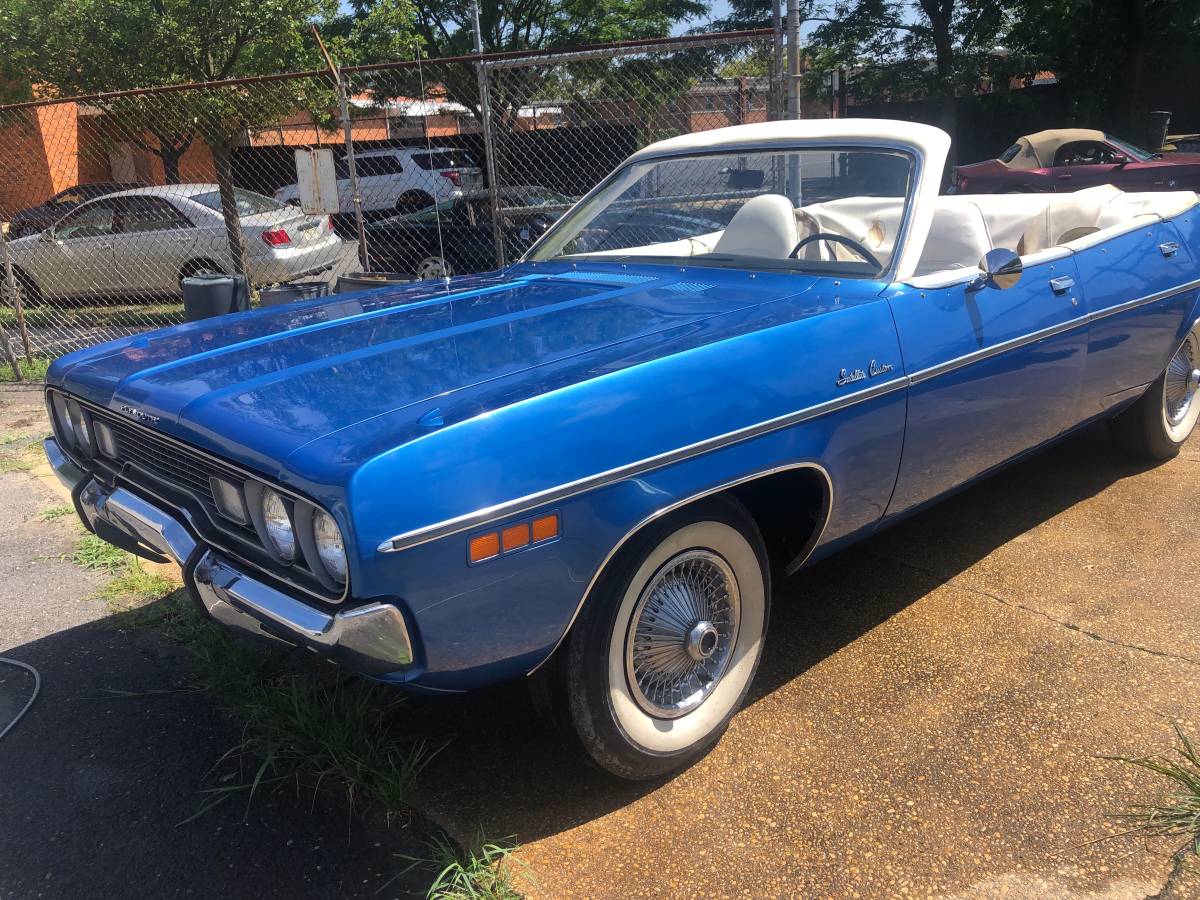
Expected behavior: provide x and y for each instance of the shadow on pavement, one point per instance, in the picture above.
(507, 774)
(97, 778)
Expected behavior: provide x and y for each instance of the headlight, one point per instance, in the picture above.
(81, 427)
(278, 525)
(62, 421)
(328, 538)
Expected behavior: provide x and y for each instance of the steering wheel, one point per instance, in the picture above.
(854, 245)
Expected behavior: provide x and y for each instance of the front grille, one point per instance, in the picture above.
(180, 476)
(166, 460)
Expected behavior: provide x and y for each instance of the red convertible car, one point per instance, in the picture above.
(1070, 159)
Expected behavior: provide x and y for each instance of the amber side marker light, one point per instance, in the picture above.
(486, 546)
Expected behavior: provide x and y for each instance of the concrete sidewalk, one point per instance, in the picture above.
(931, 717)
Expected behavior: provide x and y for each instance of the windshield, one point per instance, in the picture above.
(836, 210)
(1132, 149)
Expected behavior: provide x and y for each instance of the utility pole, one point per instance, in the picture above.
(793, 59)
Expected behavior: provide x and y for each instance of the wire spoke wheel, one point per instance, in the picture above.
(1181, 383)
(433, 267)
(682, 634)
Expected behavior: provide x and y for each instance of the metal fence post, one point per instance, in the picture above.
(364, 258)
(793, 59)
(15, 293)
(776, 110)
(489, 143)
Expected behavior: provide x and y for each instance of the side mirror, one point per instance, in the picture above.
(999, 268)
(47, 235)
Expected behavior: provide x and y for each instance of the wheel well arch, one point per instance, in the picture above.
(802, 492)
(197, 264)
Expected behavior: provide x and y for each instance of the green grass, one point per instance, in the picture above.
(95, 554)
(54, 513)
(316, 727)
(59, 313)
(482, 871)
(1179, 814)
(134, 588)
(33, 369)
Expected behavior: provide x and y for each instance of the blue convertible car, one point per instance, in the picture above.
(742, 351)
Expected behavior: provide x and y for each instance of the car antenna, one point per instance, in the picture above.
(437, 213)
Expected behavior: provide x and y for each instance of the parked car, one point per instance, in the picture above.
(36, 218)
(585, 468)
(145, 241)
(1070, 159)
(403, 179)
(456, 236)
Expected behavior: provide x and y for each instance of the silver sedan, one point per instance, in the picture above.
(145, 241)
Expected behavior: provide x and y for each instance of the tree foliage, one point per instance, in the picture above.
(1117, 59)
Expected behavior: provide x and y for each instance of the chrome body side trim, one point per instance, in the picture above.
(951, 365)
(631, 470)
(813, 541)
(520, 505)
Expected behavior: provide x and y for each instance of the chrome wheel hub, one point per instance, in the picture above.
(682, 633)
(1181, 383)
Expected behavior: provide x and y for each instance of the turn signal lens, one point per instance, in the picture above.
(106, 440)
(484, 546)
(228, 499)
(514, 536)
(545, 528)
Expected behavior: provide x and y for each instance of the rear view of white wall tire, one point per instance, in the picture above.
(667, 643)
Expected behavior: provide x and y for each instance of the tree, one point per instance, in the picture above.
(906, 49)
(1115, 58)
(73, 47)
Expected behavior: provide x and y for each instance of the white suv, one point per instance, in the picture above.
(403, 179)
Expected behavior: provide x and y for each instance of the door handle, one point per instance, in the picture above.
(1169, 248)
(1063, 177)
(1062, 284)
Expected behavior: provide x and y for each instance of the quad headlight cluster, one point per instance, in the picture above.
(290, 528)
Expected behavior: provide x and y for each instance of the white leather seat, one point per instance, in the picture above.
(764, 226)
(958, 237)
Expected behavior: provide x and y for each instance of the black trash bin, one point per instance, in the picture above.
(290, 293)
(208, 294)
(364, 281)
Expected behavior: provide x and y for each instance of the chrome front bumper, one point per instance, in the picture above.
(372, 639)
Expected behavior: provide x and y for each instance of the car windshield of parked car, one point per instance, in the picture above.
(835, 210)
(1132, 150)
(248, 202)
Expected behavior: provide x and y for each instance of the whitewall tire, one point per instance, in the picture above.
(667, 643)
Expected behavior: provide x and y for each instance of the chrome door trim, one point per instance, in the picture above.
(952, 365)
(671, 507)
(631, 470)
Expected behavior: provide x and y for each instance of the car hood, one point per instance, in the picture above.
(257, 386)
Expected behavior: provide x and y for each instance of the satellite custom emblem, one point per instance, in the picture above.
(849, 376)
(143, 417)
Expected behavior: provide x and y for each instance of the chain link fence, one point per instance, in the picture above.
(110, 200)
